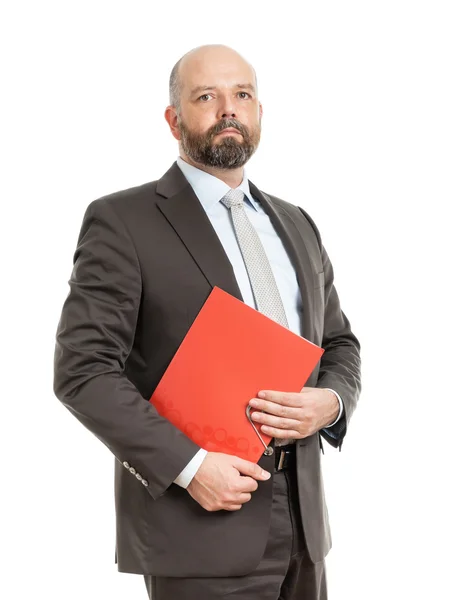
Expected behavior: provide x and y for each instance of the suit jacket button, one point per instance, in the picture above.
(138, 476)
(144, 482)
(132, 470)
(126, 465)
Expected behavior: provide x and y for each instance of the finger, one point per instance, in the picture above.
(281, 433)
(246, 484)
(233, 507)
(286, 398)
(277, 422)
(274, 408)
(243, 498)
(251, 469)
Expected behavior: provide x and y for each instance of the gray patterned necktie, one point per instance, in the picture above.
(265, 291)
(262, 280)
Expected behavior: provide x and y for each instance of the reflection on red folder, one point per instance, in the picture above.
(229, 354)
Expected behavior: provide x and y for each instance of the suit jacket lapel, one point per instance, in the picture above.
(297, 252)
(183, 210)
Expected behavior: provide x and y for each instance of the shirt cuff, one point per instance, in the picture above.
(189, 471)
(341, 407)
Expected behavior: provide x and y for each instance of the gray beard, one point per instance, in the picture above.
(228, 154)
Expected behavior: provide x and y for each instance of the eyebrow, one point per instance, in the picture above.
(210, 88)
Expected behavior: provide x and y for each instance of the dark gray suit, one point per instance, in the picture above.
(146, 261)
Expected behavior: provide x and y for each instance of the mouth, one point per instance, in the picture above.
(229, 130)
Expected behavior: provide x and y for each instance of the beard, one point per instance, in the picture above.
(228, 153)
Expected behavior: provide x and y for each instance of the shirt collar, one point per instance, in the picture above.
(209, 189)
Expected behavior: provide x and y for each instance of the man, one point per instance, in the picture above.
(203, 525)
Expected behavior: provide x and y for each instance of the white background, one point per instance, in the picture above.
(356, 130)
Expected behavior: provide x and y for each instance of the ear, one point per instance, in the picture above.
(170, 114)
(260, 110)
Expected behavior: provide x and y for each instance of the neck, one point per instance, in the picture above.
(232, 177)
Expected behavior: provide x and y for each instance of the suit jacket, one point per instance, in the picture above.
(146, 260)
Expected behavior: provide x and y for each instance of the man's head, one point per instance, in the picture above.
(214, 110)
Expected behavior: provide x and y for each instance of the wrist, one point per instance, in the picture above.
(333, 407)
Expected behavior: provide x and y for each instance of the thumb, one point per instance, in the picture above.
(245, 467)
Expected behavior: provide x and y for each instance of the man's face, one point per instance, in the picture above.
(220, 120)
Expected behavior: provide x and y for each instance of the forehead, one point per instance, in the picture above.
(214, 69)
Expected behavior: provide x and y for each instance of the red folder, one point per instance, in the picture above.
(230, 353)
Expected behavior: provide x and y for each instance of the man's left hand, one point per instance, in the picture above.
(294, 414)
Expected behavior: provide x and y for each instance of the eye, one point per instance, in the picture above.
(204, 97)
(242, 94)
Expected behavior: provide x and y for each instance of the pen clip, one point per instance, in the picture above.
(268, 450)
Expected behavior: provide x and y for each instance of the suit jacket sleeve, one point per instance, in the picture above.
(340, 366)
(94, 338)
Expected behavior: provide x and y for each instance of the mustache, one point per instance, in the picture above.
(225, 124)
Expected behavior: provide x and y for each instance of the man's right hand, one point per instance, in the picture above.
(225, 482)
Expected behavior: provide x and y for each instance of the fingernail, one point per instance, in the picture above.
(266, 475)
(262, 394)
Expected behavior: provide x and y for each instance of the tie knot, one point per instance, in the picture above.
(233, 198)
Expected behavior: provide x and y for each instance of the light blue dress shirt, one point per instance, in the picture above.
(210, 190)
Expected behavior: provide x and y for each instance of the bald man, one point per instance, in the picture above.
(205, 525)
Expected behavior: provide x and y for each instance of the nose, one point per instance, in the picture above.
(227, 108)
(228, 115)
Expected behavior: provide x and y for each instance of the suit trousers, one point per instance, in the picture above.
(284, 573)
